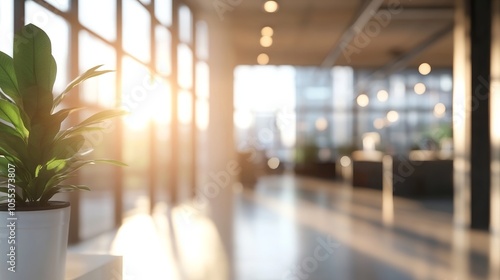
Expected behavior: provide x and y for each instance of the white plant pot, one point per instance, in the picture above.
(41, 238)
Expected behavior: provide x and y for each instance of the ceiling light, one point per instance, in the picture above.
(424, 68)
(363, 100)
(382, 95)
(392, 116)
(266, 41)
(263, 59)
(271, 6)
(419, 88)
(267, 31)
(273, 162)
(439, 110)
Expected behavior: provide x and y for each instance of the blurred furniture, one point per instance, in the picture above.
(421, 174)
(367, 169)
(323, 170)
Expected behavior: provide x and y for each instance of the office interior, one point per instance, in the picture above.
(285, 139)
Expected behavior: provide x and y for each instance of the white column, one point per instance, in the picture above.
(461, 116)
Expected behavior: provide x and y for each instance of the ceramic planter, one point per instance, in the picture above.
(33, 242)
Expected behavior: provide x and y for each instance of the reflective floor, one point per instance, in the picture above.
(290, 227)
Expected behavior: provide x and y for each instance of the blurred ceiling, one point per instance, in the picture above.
(381, 34)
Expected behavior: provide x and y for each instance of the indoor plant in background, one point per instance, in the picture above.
(37, 155)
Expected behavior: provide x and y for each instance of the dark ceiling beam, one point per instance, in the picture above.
(430, 13)
(358, 24)
(402, 61)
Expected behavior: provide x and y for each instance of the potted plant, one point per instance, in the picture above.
(37, 156)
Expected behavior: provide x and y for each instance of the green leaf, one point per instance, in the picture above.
(74, 187)
(75, 131)
(35, 70)
(8, 130)
(110, 161)
(33, 61)
(56, 165)
(92, 72)
(4, 190)
(85, 126)
(61, 115)
(37, 170)
(13, 145)
(101, 116)
(8, 81)
(10, 113)
(68, 147)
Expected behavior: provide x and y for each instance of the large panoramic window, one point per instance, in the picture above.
(335, 109)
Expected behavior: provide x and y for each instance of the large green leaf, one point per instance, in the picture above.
(74, 131)
(110, 161)
(102, 116)
(14, 146)
(37, 103)
(8, 81)
(10, 113)
(92, 72)
(90, 123)
(68, 147)
(61, 115)
(35, 69)
(8, 129)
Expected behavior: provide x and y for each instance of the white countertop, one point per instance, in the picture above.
(93, 267)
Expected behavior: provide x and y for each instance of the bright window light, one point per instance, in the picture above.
(136, 30)
(6, 26)
(185, 108)
(104, 11)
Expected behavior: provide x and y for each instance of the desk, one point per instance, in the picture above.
(93, 267)
(367, 169)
